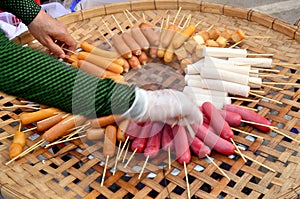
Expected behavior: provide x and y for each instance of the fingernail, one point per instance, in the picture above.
(62, 56)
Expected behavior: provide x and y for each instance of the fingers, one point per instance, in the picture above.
(54, 48)
(70, 42)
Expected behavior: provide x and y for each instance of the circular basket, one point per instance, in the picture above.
(70, 173)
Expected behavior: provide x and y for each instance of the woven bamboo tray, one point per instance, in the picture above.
(69, 172)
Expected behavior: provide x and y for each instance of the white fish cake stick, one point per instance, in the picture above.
(196, 90)
(224, 52)
(255, 82)
(194, 68)
(230, 87)
(212, 62)
(258, 62)
(212, 73)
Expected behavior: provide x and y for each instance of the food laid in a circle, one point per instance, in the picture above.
(212, 70)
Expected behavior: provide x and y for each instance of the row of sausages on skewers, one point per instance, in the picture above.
(55, 125)
(133, 45)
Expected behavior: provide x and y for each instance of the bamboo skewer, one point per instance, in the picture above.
(124, 145)
(258, 124)
(117, 158)
(221, 170)
(244, 99)
(267, 86)
(237, 43)
(176, 16)
(12, 135)
(125, 154)
(65, 140)
(130, 158)
(260, 55)
(19, 106)
(238, 149)
(181, 20)
(187, 181)
(142, 170)
(169, 157)
(270, 99)
(253, 160)
(281, 133)
(249, 108)
(244, 132)
(104, 171)
(282, 83)
(258, 91)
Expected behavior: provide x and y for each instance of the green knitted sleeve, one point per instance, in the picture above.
(26, 10)
(38, 77)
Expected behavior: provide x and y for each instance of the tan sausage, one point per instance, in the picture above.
(19, 138)
(140, 37)
(105, 120)
(121, 134)
(14, 150)
(61, 128)
(102, 62)
(131, 43)
(167, 37)
(134, 62)
(94, 69)
(143, 58)
(151, 35)
(109, 141)
(27, 118)
(97, 51)
(94, 134)
(121, 46)
(49, 122)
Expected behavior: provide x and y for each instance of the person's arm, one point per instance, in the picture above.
(26, 10)
(42, 26)
(34, 76)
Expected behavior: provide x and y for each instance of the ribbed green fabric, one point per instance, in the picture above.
(23, 9)
(40, 78)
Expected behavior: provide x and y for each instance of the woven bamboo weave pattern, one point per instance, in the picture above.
(70, 171)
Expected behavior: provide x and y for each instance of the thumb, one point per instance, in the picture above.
(54, 48)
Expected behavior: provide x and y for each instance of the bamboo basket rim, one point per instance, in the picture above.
(249, 15)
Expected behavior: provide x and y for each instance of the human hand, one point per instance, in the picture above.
(47, 30)
(166, 105)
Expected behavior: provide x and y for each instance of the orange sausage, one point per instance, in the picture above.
(169, 54)
(94, 134)
(134, 62)
(101, 62)
(14, 150)
(97, 51)
(105, 120)
(121, 46)
(126, 66)
(49, 122)
(121, 134)
(27, 118)
(109, 144)
(151, 35)
(140, 37)
(19, 138)
(61, 128)
(94, 69)
(131, 43)
(143, 58)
